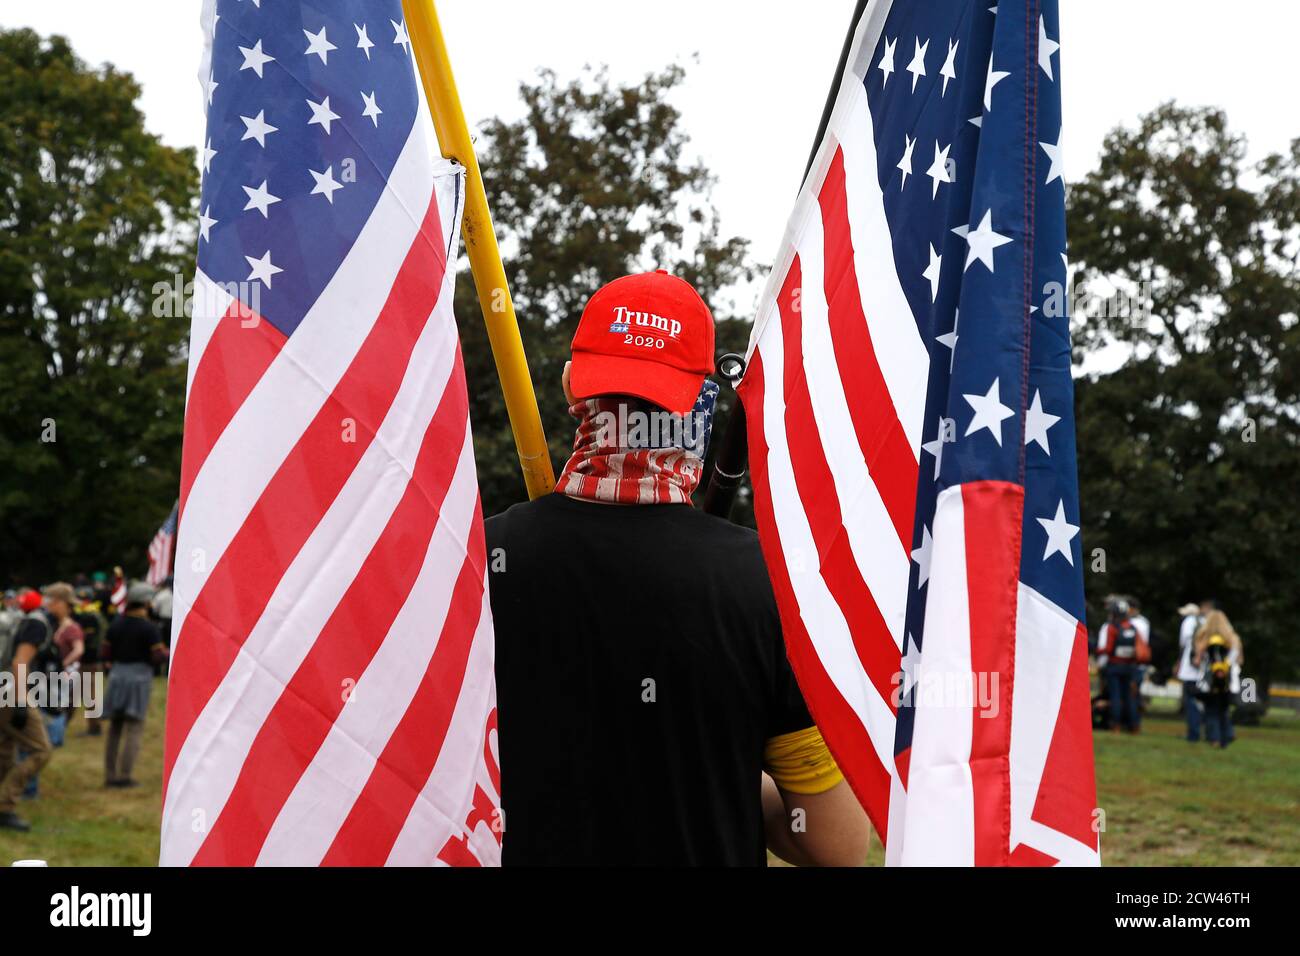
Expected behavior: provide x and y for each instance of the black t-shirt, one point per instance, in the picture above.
(33, 629)
(129, 639)
(92, 627)
(640, 670)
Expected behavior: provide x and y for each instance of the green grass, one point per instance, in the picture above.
(76, 821)
(1167, 802)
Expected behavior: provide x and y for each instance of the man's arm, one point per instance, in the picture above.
(23, 655)
(816, 829)
(74, 655)
(810, 815)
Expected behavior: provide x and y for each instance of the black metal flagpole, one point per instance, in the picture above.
(733, 454)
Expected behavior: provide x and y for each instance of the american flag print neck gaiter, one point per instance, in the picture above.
(628, 451)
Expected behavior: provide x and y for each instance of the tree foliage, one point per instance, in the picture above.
(92, 382)
(1189, 449)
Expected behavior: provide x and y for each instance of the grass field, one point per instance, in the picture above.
(76, 821)
(1172, 803)
(1167, 802)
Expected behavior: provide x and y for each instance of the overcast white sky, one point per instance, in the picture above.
(752, 102)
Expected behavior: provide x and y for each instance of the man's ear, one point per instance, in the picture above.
(564, 383)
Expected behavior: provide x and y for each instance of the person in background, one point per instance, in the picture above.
(10, 618)
(1139, 619)
(60, 658)
(1121, 650)
(135, 645)
(1188, 674)
(1219, 655)
(1143, 626)
(20, 729)
(70, 645)
(162, 612)
(103, 589)
(94, 626)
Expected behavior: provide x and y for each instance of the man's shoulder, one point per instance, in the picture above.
(520, 513)
(725, 528)
(33, 627)
(723, 533)
(675, 518)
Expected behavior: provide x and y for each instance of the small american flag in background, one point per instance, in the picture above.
(331, 698)
(117, 597)
(161, 549)
(911, 438)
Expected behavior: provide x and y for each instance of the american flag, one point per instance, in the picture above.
(331, 698)
(117, 597)
(160, 550)
(911, 436)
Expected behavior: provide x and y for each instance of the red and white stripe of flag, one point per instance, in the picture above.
(117, 597)
(331, 697)
(834, 394)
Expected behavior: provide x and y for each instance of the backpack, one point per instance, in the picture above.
(43, 649)
(1216, 673)
(9, 621)
(1127, 644)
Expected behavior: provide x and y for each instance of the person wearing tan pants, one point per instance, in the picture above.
(20, 727)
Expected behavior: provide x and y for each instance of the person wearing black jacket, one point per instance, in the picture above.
(95, 626)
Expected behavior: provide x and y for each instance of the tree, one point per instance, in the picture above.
(93, 376)
(589, 184)
(1189, 450)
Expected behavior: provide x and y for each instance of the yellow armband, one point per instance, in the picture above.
(801, 763)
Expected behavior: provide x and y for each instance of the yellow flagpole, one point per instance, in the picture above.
(481, 245)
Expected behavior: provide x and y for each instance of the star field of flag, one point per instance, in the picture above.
(309, 107)
(981, 193)
(985, 214)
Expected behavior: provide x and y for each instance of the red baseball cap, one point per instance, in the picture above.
(649, 336)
